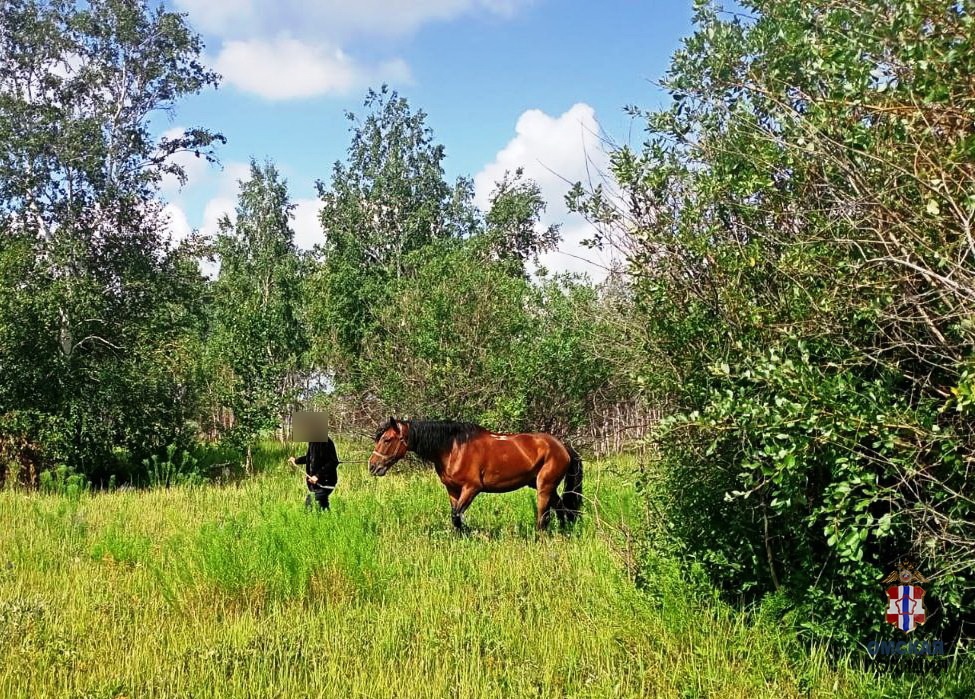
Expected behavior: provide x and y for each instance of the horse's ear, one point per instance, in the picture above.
(395, 425)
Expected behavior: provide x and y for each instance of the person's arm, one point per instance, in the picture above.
(302, 460)
(331, 456)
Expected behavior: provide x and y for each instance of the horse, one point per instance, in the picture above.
(470, 459)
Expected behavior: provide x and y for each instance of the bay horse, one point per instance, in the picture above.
(470, 460)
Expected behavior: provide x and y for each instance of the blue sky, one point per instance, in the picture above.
(504, 83)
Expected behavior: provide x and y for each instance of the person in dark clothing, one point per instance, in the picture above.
(320, 462)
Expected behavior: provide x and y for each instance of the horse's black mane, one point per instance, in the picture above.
(431, 438)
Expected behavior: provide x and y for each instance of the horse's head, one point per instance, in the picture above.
(390, 446)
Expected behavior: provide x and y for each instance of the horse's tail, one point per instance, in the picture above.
(572, 487)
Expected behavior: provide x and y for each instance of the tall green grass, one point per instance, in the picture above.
(238, 591)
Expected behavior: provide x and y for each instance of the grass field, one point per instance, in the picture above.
(237, 591)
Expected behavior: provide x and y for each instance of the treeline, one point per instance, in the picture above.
(420, 304)
(116, 351)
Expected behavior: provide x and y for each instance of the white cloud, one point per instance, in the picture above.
(286, 68)
(217, 17)
(307, 227)
(290, 49)
(223, 203)
(179, 225)
(232, 174)
(224, 187)
(214, 211)
(333, 20)
(224, 200)
(179, 230)
(196, 168)
(556, 152)
(400, 18)
(305, 224)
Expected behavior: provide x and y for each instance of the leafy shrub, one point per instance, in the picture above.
(812, 483)
(31, 442)
(468, 337)
(806, 288)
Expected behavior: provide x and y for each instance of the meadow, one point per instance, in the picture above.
(235, 590)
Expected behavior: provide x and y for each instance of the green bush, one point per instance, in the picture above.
(177, 467)
(798, 228)
(806, 482)
(30, 443)
(469, 337)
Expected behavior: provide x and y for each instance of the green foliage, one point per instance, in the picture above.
(422, 306)
(469, 337)
(177, 467)
(511, 225)
(62, 480)
(257, 342)
(96, 308)
(387, 200)
(782, 447)
(798, 231)
(30, 441)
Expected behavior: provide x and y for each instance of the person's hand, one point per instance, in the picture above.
(291, 460)
(312, 479)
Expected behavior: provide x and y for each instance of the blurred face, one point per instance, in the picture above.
(390, 448)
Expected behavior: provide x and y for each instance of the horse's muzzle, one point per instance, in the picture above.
(379, 469)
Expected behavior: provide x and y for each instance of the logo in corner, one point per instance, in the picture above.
(905, 601)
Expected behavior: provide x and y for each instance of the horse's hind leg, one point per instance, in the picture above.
(546, 498)
(460, 506)
(558, 507)
(547, 484)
